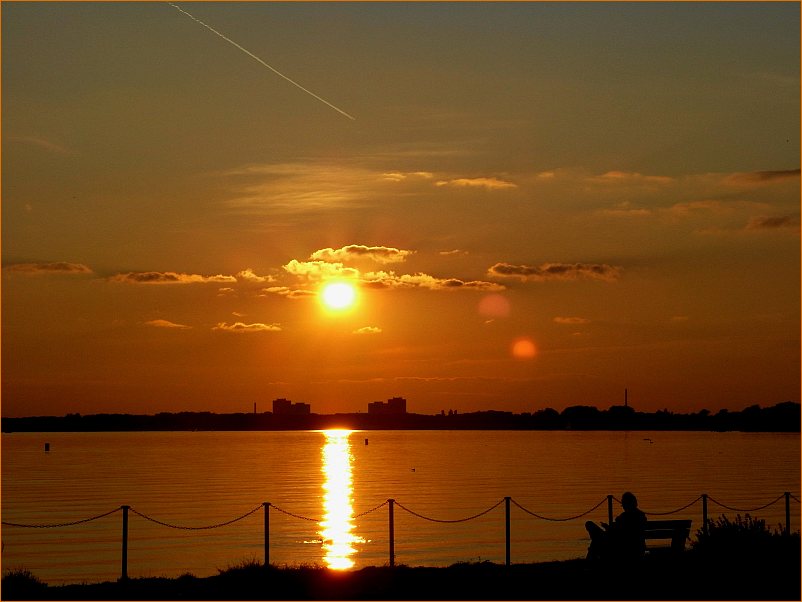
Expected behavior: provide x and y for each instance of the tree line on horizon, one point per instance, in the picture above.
(782, 417)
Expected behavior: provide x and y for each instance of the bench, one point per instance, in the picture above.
(675, 530)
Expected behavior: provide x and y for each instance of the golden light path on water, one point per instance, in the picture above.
(337, 524)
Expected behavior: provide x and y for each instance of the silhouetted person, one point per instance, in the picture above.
(624, 539)
(599, 547)
(629, 528)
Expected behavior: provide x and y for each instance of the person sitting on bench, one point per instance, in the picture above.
(624, 539)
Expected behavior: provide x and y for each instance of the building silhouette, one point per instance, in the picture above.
(285, 406)
(396, 405)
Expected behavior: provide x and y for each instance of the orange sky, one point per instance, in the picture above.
(539, 205)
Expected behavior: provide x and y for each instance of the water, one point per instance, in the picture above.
(195, 479)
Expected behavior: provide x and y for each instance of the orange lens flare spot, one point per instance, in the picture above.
(494, 306)
(524, 349)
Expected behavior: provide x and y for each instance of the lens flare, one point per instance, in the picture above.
(494, 306)
(524, 349)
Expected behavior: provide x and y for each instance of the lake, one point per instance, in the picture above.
(328, 494)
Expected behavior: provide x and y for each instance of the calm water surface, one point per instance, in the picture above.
(322, 487)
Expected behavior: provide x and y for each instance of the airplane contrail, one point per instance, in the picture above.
(253, 56)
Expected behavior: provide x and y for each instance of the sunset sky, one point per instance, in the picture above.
(539, 205)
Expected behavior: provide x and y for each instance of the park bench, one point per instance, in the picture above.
(675, 530)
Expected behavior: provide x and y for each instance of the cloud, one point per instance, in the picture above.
(453, 252)
(714, 206)
(761, 177)
(699, 209)
(571, 320)
(368, 330)
(398, 176)
(556, 271)
(319, 270)
(288, 292)
(487, 183)
(392, 280)
(378, 254)
(42, 143)
(773, 223)
(57, 267)
(628, 177)
(301, 187)
(240, 327)
(626, 209)
(168, 278)
(247, 275)
(292, 189)
(721, 215)
(166, 324)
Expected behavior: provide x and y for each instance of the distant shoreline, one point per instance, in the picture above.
(781, 418)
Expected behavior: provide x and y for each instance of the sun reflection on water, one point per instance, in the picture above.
(337, 524)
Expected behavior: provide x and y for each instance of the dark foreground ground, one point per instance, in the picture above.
(687, 577)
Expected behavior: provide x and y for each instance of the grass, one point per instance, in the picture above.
(686, 577)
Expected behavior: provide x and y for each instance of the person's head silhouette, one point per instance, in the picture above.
(629, 501)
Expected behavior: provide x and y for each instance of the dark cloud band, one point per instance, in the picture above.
(556, 271)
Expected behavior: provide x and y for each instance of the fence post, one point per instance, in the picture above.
(609, 509)
(704, 513)
(787, 513)
(392, 533)
(507, 528)
(125, 543)
(267, 532)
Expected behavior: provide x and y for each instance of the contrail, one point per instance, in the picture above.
(253, 56)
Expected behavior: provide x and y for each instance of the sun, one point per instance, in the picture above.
(338, 295)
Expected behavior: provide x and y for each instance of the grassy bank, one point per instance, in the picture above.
(691, 576)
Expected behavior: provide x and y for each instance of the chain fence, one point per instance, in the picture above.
(391, 503)
(685, 507)
(558, 520)
(361, 514)
(405, 508)
(458, 520)
(57, 525)
(298, 516)
(204, 528)
(725, 506)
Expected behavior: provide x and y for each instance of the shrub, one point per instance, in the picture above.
(21, 584)
(248, 565)
(744, 537)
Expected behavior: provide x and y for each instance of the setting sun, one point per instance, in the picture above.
(338, 295)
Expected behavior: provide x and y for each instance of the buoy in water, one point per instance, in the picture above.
(366, 441)
(47, 447)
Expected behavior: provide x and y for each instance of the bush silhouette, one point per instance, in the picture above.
(21, 584)
(745, 538)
